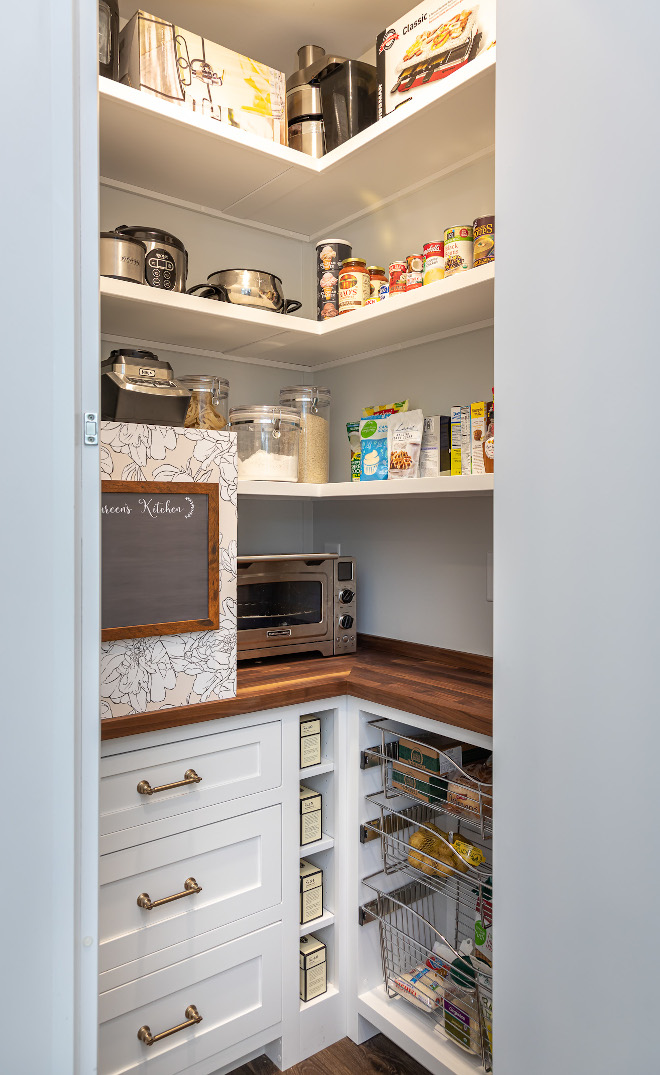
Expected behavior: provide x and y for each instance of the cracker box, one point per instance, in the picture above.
(311, 891)
(466, 455)
(455, 450)
(313, 968)
(164, 60)
(477, 437)
(310, 741)
(310, 815)
(420, 763)
(434, 456)
(430, 43)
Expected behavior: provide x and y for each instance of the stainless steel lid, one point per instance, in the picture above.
(121, 238)
(151, 235)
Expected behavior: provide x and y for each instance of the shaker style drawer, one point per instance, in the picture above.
(236, 863)
(178, 777)
(235, 988)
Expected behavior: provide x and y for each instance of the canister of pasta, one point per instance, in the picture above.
(458, 249)
(378, 287)
(415, 271)
(354, 284)
(484, 240)
(434, 262)
(398, 277)
(330, 254)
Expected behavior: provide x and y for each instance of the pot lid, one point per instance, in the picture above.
(123, 238)
(152, 235)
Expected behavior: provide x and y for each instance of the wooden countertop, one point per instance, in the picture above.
(442, 684)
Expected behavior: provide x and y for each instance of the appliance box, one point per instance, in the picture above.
(418, 51)
(165, 60)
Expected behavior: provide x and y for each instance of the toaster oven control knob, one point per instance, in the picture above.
(346, 596)
(345, 622)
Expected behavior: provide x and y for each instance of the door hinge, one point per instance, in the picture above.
(91, 427)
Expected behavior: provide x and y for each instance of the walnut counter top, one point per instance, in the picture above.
(442, 684)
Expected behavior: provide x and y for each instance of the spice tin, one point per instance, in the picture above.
(398, 277)
(484, 240)
(458, 249)
(434, 262)
(330, 253)
(354, 284)
(378, 286)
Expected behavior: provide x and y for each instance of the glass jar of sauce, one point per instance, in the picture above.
(378, 285)
(354, 285)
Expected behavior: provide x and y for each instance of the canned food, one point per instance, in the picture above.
(354, 285)
(458, 249)
(413, 280)
(378, 286)
(398, 276)
(330, 253)
(434, 262)
(483, 230)
(415, 263)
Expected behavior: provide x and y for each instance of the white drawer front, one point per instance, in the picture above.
(231, 764)
(235, 988)
(236, 862)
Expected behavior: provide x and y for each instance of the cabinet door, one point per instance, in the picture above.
(235, 988)
(230, 764)
(237, 864)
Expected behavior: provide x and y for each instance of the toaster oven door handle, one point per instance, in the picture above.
(281, 632)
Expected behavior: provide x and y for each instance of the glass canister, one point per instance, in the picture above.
(208, 401)
(267, 441)
(313, 404)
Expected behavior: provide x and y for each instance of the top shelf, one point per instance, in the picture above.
(214, 165)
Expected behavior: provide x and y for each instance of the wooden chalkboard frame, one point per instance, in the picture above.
(176, 627)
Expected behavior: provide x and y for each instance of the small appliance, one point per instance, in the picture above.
(136, 386)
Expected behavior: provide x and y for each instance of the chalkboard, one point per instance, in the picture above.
(159, 558)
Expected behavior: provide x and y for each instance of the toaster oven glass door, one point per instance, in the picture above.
(285, 608)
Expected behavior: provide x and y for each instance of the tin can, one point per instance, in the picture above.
(458, 249)
(354, 284)
(398, 276)
(483, 231)
(330, 253)
(378, 286)
(415, 273)
(434, 262)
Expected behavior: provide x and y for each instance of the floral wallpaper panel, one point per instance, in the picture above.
(139, 675)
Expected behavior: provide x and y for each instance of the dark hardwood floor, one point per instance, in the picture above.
(378, 1056)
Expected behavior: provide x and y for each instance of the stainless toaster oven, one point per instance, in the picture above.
(295, 604)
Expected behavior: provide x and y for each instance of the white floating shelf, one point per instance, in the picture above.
(331, 991)
(412, 1030)
(171, 319)
(166, 148)
(324, 844)
(463, 485)
(326, 919)
(317, 770)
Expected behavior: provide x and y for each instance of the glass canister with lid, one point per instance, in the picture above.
(267, 441)
(208, 401)
(313, 404)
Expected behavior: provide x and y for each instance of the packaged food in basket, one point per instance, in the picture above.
(404, 443)
(472, 794)
(461, 1018)
(432, 853)
(419, 763)
(422, 986)
(483, 927)
(468, 851)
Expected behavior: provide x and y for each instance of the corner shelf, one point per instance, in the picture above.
(254, 180)
(326, 919)
(170, 319)
(445, 485)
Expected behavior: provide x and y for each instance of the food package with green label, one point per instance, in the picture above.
(353, 431)
(374, 462)
(483, 926)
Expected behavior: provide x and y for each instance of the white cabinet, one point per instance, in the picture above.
(234, 987)
(237, 864)
(230, 764)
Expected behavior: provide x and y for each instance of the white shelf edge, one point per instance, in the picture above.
(412, 1031)
(317, 770)
(324, 844)
(445, 485)
(331, 991)
(326, 919)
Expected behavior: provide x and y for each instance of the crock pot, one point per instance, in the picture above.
(166, 261)
(121, 257)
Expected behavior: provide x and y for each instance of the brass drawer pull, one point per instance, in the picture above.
(192, 1017)
(189, 777)
(190, 888)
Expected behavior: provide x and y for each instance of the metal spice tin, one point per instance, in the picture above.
(458, 249)
(484, 240)
(330, 253)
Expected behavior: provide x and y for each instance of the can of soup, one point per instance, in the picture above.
(458, 249)
(415, 274)
(398, 276)
(483, 230)
(434, 262)
(330, 253)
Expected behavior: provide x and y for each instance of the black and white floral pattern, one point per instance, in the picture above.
(143, 674)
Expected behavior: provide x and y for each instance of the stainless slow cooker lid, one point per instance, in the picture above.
(150, 235)
(122, 238)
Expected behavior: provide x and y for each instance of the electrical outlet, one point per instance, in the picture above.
(489, 576)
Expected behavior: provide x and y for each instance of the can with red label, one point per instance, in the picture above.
(415, 271)
(398, 276)
(434, 262)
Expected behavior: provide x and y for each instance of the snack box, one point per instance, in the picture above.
(432, 41)
(310, 741)
(313, 968)
(434, 458)
(477, 437)
(456, 441)
(311, 891)
(310, 815)
(165, 60)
